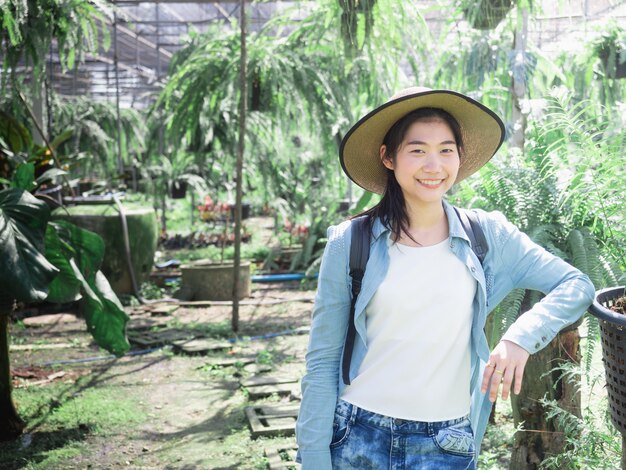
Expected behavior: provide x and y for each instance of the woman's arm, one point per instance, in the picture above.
(568, 293)
(328, 330)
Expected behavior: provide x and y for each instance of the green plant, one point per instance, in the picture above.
(29, 27)
(17, 147)
(485, 14)
(97, 145)
(304, 92)
(169, 172)
(68, 271)
(541, 192)
(265, 356)
(610, 48)
(592, 440)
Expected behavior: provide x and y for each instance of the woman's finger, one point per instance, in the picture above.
(496, 379)
(507, 380)
(519, 375)
(487, 376)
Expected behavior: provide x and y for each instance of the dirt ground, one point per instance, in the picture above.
(191, 410)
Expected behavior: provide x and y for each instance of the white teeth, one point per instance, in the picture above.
(430, 182)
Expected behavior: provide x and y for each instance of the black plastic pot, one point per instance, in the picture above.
(618, 69)
(245, 211)
(613, 336)
(178, 190)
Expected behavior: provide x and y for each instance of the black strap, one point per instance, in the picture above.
(474, 231)
(359, 253)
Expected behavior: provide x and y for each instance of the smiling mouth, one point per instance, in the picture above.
(432, 183)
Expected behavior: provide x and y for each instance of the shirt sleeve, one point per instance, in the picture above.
(568, 292)
(326, 339)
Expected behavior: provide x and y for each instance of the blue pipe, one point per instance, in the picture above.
(281, 277)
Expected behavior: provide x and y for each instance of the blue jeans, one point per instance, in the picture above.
(365, 440)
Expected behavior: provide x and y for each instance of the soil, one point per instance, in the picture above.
(193, 411)
(620, 306)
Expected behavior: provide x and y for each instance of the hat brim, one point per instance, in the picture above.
(482, 132)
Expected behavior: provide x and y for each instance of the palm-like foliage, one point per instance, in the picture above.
(302, 88)
(29, 27)
(93, 148)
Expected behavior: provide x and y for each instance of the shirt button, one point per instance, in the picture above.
(537, 346)
(473, 269)
(543, 338)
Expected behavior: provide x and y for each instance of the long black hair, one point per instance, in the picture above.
(391, 209)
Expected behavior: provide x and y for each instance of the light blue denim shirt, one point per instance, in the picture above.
(513, 261)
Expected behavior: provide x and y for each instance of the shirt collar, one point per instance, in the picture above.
(454, 224)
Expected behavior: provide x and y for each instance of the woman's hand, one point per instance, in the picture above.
(506, 364)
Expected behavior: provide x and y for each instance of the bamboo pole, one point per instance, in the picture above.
(240, 151)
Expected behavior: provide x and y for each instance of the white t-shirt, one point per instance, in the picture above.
(417, 364)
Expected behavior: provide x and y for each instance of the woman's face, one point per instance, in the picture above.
(426, 163)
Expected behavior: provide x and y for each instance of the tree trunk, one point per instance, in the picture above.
(239, 171)
(518, 84)
(11, 424)
(540, 438)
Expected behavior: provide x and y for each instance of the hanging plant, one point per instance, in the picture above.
(357, 19)
(486, 14)
(30, 26)
(610, 48)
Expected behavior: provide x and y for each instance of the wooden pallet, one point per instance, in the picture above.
(151, 339)
(201, 346)
(260, 386)
(272, 420)
(282, 457)
(230, 361)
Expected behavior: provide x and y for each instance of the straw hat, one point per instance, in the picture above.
(482, 132)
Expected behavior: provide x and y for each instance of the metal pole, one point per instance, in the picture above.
(241, 147)
(161, 143)
(120, 161)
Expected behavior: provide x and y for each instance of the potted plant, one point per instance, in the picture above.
(610, 48)
(485, 14)
(208, 279)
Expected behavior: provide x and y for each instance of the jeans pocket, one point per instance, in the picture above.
(341, 429)
(457, 439)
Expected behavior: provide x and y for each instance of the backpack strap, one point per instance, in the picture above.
(474, 231)
(359, 253)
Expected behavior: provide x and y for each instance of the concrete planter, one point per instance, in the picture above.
(204, 280)
(143, 232)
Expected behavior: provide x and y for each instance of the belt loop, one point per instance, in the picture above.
(431, 430)
(353, 413)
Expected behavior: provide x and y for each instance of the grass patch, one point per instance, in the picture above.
(61, 417)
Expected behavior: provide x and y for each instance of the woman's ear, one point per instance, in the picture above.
(384, 158)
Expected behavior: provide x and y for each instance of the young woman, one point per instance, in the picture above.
(422, 379)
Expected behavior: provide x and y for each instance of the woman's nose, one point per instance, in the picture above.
(432, 163)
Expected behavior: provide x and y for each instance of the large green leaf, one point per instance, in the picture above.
(105, 316)
(25, 273)
(83, 252)
(66, 286)
(24, 177)
(88, 247)
(15, 135)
